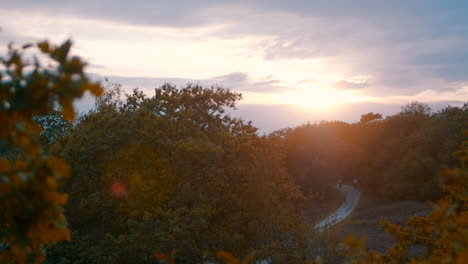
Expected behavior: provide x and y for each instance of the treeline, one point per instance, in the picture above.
(173, 173)
(394, 158)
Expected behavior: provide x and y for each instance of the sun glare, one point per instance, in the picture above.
(319, 99)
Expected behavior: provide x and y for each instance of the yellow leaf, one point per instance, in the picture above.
(5, 166)
(68, 112)
(44, 46)
(462, 258)
(59, 166)
(95, 88)
(227, 257)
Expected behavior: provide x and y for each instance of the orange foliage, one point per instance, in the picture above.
(31, 212)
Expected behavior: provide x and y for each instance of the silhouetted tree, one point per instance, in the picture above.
(370, 117)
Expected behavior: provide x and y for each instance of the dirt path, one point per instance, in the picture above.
(351, 200)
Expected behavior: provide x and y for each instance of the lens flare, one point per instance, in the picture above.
(118, 189)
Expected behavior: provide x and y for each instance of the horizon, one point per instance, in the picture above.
(272, 117)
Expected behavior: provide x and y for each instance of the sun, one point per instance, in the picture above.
(318, 98)
(315, 100)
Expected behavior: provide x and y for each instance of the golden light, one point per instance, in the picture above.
(319, 98)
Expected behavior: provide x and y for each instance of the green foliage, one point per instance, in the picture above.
(191, 179)
(312, 153)
(443, 234)
(415, 109)
(31, 212)
(54, 127)
(395, 158)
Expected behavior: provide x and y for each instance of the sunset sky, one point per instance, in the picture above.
(316, 55)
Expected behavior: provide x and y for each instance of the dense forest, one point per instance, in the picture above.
(398, 157)
(194, 180)
(141, 178)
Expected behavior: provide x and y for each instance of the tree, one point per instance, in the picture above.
(176, 173)
(396, 158)
(370, 117)
(30, 205)
(415, 108)
(443, 233)
(54, 127)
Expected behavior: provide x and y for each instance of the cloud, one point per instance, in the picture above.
(451, 63)
(355, 82)
(241, 81)
(408, 52)
(175, 13)
(346, 85)
(8, 36)
(235, 77)
(236, 81)
(409, 47)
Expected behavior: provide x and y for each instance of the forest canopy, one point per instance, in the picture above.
(395, 158)
(176, 173)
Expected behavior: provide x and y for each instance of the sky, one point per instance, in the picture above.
(293, 61)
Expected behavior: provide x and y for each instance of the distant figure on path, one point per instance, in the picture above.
(340, 182)
(355, 182)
